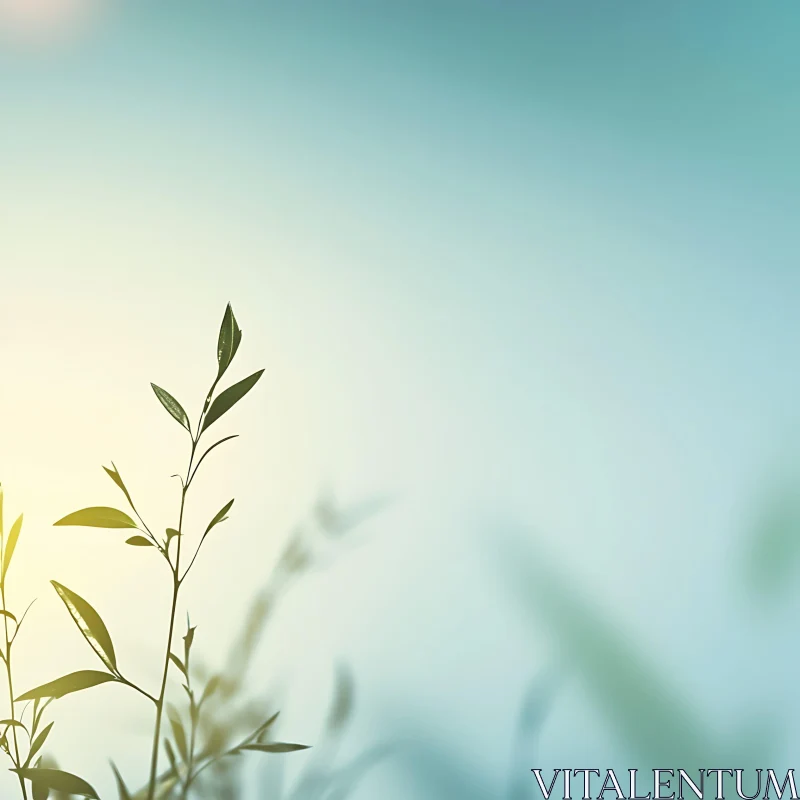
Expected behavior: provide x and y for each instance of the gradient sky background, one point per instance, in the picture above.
(512, 263)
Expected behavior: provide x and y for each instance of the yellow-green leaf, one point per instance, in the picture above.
(90, 625)
(98, 517)
(13, 536)
(74, 682)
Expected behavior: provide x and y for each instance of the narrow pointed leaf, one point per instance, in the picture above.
(228, 398)
(122, 789)
(58, 781)
(113, 473)
(180, 737)
(13, 537)
(98, 517)
(90, 625)
(172, 405)
(220, 517)
(275, 747)
(177, 662)
(74, 682)
(268, 724)
(38, 743)
(139, 541)
(8, 614)
(173, 763)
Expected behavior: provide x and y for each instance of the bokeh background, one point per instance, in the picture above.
(527, 270)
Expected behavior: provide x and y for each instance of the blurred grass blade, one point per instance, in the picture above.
(275, 747)
(98, 517)
(122, 789)
(74, 682)
(58, 781)
(90, 625)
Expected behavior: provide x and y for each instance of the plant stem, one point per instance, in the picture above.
(17, 763)
(176, 585)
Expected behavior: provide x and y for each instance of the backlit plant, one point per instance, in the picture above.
(185, 766)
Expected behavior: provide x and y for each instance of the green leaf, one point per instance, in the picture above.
(40, 792)
(228, 342)
(13, 536)
(113, 473)
(177, 662)
(122, 789)
(172, 405)
(38, 743)
(13, 723)
(210, 689)
(74, 682)
(268, 724)
(221, 516)
(8, 614)
(139, 541)
(228, 398)
(58, 781)
(90, 625)
(179, 734)
(275, 747)
(98, 517)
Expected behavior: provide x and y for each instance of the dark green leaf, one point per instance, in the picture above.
(228, 398)
(228, 342)
(221, 516)
(139, 541)
(172, 405)
(38, 743)
(113, 473)
(90, 625)
(275, 747)
(74, 682)
(13, 536)
(98, 517)
(58, 781)
(122, 789)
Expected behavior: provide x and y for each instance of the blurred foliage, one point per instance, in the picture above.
(232, 710)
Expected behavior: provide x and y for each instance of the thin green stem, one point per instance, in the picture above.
(175, 590)
(177, 581)
(16, 758)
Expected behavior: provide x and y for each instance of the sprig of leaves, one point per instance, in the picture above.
(185, 765)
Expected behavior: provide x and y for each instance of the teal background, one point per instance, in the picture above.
(529, 269)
